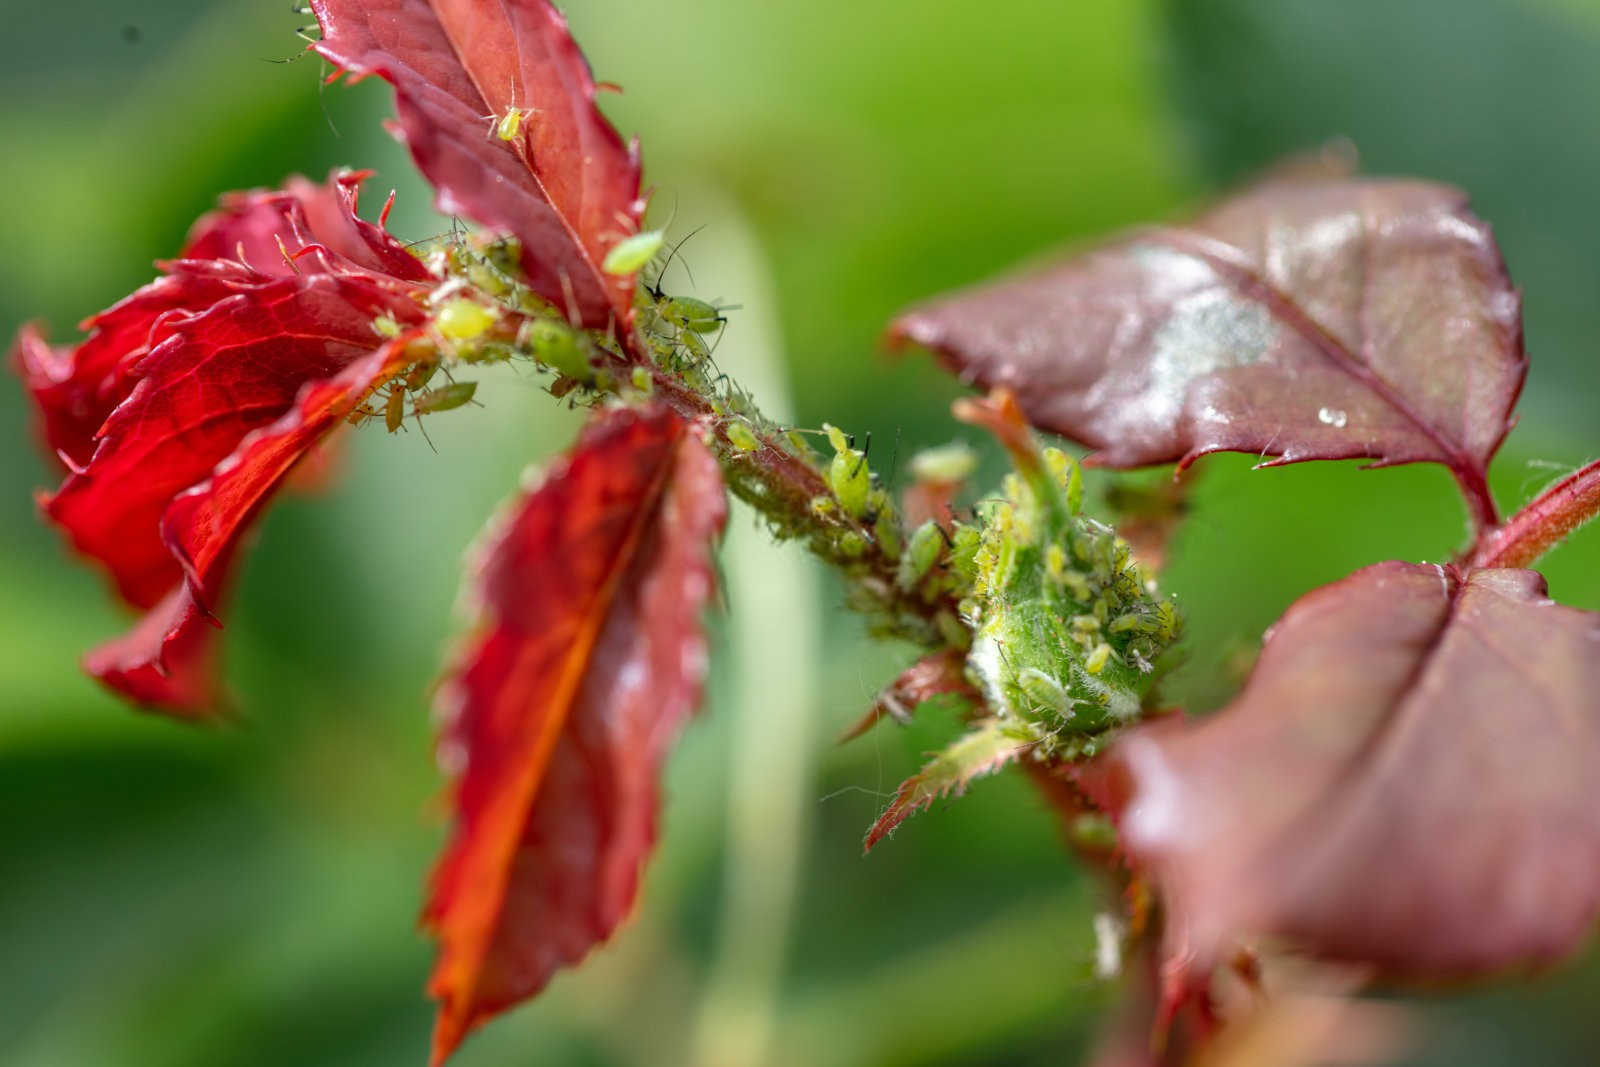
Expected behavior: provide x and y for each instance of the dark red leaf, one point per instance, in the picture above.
(1303, 319)
(589, 657)
(1407, 781)
(566, 185)
(192, 400)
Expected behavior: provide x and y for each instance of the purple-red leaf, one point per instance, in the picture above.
(589, 657)
(1408, 781)
(192, 400)
(565, 185)
(1302, 319)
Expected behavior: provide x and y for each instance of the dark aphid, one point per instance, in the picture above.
(394, 408)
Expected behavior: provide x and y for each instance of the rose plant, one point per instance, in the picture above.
(1403, 784)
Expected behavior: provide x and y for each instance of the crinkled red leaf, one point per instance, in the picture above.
(192, 400)
(566, 185)
(305, 227)
(589, 657)
(1303, 319)
(208, 380)
(1408, 780)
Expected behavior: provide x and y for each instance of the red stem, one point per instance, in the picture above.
(1549, 518)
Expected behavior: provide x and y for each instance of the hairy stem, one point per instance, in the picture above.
(1544, 523)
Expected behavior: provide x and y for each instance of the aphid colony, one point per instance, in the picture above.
(482, 314)
(1060, 624)
(1066, 624)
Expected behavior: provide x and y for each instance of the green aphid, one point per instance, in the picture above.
(1045, 690)
(964, 544)
(849, 477)
(852, 545)
(443, 398)
(629, 255)
(421, 374)
(559, 347)
(642, 381)
(509, 125)
(886, 531)
(386, 326)
(740, 436)
(921, 553)
(954, 462)
(461, 319)
(695, 345)
(1097, 660)
(688, 313)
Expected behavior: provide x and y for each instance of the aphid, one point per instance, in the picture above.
(851, 544)
(1044, 690)
(740, 436)
(394, 408)
(629, 255)
(688, 313)
(1097, 660)
(642, 381)
(559, 347)
(507, 126)
(851, 480)
(463, 320)
(920, 555)
(443, 398)
(948, 463)
(421, 374)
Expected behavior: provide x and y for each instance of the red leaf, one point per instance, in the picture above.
(939, 674)
(277, 232)
(193, 399)
(1303, 319)
(1407, 781)
(588, 659)
(566, 186)
(990, 745)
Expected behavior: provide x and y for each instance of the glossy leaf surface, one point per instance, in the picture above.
(565, 184)
(589, 657)
(1303, 319)
(1406, 781)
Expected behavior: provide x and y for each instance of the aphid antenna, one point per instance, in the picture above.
(894, 456)
(865, 452)
(655, 290)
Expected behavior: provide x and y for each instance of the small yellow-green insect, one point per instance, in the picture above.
(740, 436)
(688, 313)
(629, 255)
(463, 320)
(507, 126)
(443, 398)
(921, 554)
(848, 474)
(559, 347)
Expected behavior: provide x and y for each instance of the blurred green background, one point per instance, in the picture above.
(246, 895)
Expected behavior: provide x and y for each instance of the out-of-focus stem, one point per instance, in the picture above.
(770, 753)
